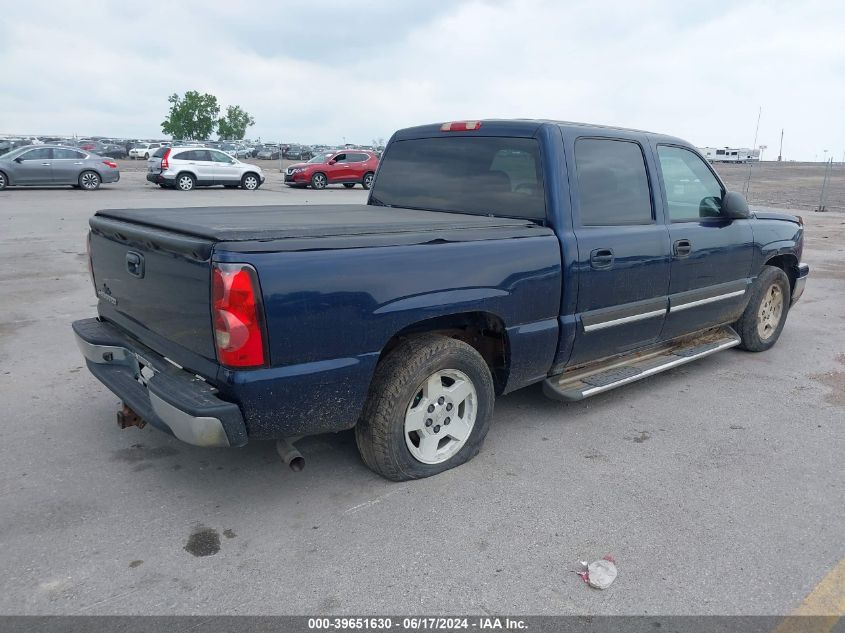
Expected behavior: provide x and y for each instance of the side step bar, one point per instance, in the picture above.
(583, 382)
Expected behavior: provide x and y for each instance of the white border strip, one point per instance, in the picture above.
(627, 319)
(701, 302)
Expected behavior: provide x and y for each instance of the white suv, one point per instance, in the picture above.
(187, 167)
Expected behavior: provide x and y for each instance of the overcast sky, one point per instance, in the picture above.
(322, 72)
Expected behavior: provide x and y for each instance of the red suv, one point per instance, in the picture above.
(347, 167)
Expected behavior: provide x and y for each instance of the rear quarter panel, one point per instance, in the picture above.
(331, 312)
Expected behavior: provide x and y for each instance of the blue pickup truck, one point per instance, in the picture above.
(491, 255)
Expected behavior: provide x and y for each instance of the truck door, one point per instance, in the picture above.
(623, 248)
(711, 254)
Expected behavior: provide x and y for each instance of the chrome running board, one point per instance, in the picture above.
(583, 382)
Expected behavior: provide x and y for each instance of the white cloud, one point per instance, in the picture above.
(319, 73)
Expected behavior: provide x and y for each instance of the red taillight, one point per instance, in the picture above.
(237, 316)
(165, 163)
(460, 126)
(110, 163)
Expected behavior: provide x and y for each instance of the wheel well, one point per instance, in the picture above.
(249, 173)
(787, 263)
(6, 176)
(482, 330)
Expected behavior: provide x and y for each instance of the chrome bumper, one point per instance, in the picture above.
(167, 397)
(803, 271)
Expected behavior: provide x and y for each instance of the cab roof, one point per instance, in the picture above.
(525, 128)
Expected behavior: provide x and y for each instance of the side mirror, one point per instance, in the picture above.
(19, 159)
(734, 206)
(332, 162)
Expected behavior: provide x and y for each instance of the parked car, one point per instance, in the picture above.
(490, 256)
(56, 165)
(144, 150)
(338, 167)
(184, 168)
(268, 152)
(297, 152)
(112, 150)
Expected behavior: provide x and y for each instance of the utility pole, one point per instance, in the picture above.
(823, 196)
(780, 151)
(756, 130)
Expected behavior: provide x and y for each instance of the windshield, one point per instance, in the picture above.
(497, 176)
(321, 158)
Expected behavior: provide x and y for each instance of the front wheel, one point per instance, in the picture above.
(319, 181)
(146, 157)
(89, 180)
(250, 182)
(760, 325)
(429, 409)
(367, 183)
(3, 181)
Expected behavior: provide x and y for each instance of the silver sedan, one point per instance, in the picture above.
(55, 165)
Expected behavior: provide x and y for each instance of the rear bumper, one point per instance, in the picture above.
(172, 400)
(803, 271)
(159, 179)
(110, 177)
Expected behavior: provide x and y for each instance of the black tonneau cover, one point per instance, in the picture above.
(261, 223)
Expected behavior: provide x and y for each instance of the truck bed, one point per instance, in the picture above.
(279, 222)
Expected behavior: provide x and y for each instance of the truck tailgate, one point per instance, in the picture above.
(153, 281)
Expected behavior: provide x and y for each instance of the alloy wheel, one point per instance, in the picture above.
(440, 416)
(771, 309)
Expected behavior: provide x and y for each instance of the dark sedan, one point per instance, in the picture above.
(55, 165)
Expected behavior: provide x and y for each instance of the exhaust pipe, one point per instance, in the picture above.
(290, 456)
(126, 417)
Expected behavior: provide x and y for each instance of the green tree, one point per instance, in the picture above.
(233, 126)
(192, 116)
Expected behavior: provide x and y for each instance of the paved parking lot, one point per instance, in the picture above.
(718, 486)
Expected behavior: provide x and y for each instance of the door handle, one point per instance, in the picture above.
(682, 248)
(601, 258)
(46, 164)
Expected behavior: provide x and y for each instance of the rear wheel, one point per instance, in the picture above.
(89, 180)
(319, 180)
(250, 182)
(760, 325)
(185, 182)
(429, 409)
(349, 185)
(367, 183)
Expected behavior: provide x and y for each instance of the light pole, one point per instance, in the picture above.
(762, 149)
(780, 151)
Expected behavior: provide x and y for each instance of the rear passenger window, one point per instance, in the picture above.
(612, 182)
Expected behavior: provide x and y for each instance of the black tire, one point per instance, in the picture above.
(367, 181)
(3, 181)
(349, 185)
(319, 180)
(250, 181)
(185, 181)
(380, 433)
(89, 180)
(760, 325)
(146, 157)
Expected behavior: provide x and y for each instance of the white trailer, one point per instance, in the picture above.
(730, 154)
